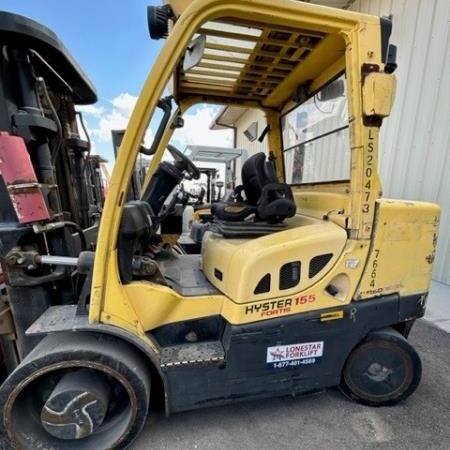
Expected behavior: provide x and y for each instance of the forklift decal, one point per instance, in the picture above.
(270, 308)
(286, 356)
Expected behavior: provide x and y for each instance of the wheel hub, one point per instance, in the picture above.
(77, 406)
(378, 372)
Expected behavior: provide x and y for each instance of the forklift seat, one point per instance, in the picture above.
(267, 200)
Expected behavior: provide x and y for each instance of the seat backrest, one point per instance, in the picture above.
(267, 200)
(256, 173)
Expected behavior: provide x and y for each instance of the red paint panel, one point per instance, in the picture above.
(20, 179)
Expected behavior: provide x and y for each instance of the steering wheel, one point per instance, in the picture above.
(183, 162)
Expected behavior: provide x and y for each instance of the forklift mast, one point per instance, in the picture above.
(49, 189)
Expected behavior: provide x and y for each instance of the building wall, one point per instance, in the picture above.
(415, 139)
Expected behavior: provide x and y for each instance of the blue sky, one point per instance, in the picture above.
(110, 41)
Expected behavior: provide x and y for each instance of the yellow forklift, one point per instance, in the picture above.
(307, 278)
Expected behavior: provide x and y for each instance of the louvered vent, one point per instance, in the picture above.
(290, 275)
(263, 285)
(318, 263)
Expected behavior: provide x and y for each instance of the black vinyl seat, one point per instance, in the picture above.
(266, 200)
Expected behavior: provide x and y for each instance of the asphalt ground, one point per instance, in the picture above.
(325, 420)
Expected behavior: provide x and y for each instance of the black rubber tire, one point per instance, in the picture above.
(382, 370)
(25, 391)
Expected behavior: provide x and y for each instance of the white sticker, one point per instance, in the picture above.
(352, 263)
(293, 355)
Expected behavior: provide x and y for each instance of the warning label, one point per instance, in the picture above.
(294, 354)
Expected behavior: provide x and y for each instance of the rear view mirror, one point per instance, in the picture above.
(332, 91)
(194, 52)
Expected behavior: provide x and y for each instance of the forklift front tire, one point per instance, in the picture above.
(73, 391)
(382, 370)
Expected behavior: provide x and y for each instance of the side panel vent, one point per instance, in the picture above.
(318, 263)
(290, 275)
(263, 285)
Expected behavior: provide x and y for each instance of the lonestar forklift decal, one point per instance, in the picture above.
(285, 356)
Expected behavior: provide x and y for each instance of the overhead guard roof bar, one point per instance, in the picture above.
(247, 61)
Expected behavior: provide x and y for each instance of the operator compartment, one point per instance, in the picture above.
(274, 265)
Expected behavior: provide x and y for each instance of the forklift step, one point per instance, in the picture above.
(192, 354)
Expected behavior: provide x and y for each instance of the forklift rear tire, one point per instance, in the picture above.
(383, 370)
(76, 391)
